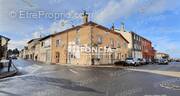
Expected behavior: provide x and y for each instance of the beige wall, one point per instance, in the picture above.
(44, 52)
(62, 49)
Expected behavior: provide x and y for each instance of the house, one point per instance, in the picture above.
(88, 44)
(3, 46)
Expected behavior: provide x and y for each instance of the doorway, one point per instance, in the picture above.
(57, 57)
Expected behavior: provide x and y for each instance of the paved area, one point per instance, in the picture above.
(36, 79)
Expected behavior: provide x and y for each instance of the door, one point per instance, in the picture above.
(57, 57)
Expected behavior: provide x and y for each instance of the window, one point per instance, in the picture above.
(77, 40)
(134, 37)
(112, 42)
(125, 45)
(106, 33)
(42, 44)
(58, 43)
(78, 30)
(118, 44)
(100, 39)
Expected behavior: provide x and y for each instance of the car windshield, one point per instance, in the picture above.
(129, 58)
(139, 59)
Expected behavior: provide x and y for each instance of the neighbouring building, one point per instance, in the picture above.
(148, 52)
(3, 46)
(31, 50)
(139, 47)
(160, 55)
(43, 49)
(88, 35)
(134, 40)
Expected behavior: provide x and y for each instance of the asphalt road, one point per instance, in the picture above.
(37, 79)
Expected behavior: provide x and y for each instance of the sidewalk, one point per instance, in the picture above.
(4, 71)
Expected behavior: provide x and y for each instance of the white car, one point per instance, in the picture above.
(163, 61)
(132, 61)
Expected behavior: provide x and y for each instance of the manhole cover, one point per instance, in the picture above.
(173, 84)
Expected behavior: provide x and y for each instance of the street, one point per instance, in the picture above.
(37, 79)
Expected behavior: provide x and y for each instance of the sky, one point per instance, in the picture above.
(156, 20)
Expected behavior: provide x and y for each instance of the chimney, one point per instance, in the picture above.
(122, 28)
(85, 17)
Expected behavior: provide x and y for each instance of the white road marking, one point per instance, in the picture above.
(73, 71)
(166, 73)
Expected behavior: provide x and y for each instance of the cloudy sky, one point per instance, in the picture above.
(157, 20)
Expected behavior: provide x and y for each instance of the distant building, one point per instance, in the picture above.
(31, 48)
(3, 46)
(160, 55)
(148, 52)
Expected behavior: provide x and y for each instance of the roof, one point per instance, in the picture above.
(33, 40)
(91, 24)
(43, 38)
(140, 36)
(5, 37)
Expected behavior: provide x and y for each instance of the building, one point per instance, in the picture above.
(43, 49)
(148, 51)
(85, 44)
(3, 46)
(160, 55)
(139, 47)
(31, 49)
(88, 35)
(134, 45)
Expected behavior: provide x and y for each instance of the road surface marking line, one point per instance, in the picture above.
(167, 73)
(73, 71)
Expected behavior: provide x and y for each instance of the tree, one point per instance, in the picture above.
(15, 51)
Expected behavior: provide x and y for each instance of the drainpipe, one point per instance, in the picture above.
(91, 46)
(67, 56)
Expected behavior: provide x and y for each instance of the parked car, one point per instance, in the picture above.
(142, 61)
(132, 61)
(13, 56)
(163, 61)
(155, 60)
(120, 63)
(148, 61)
